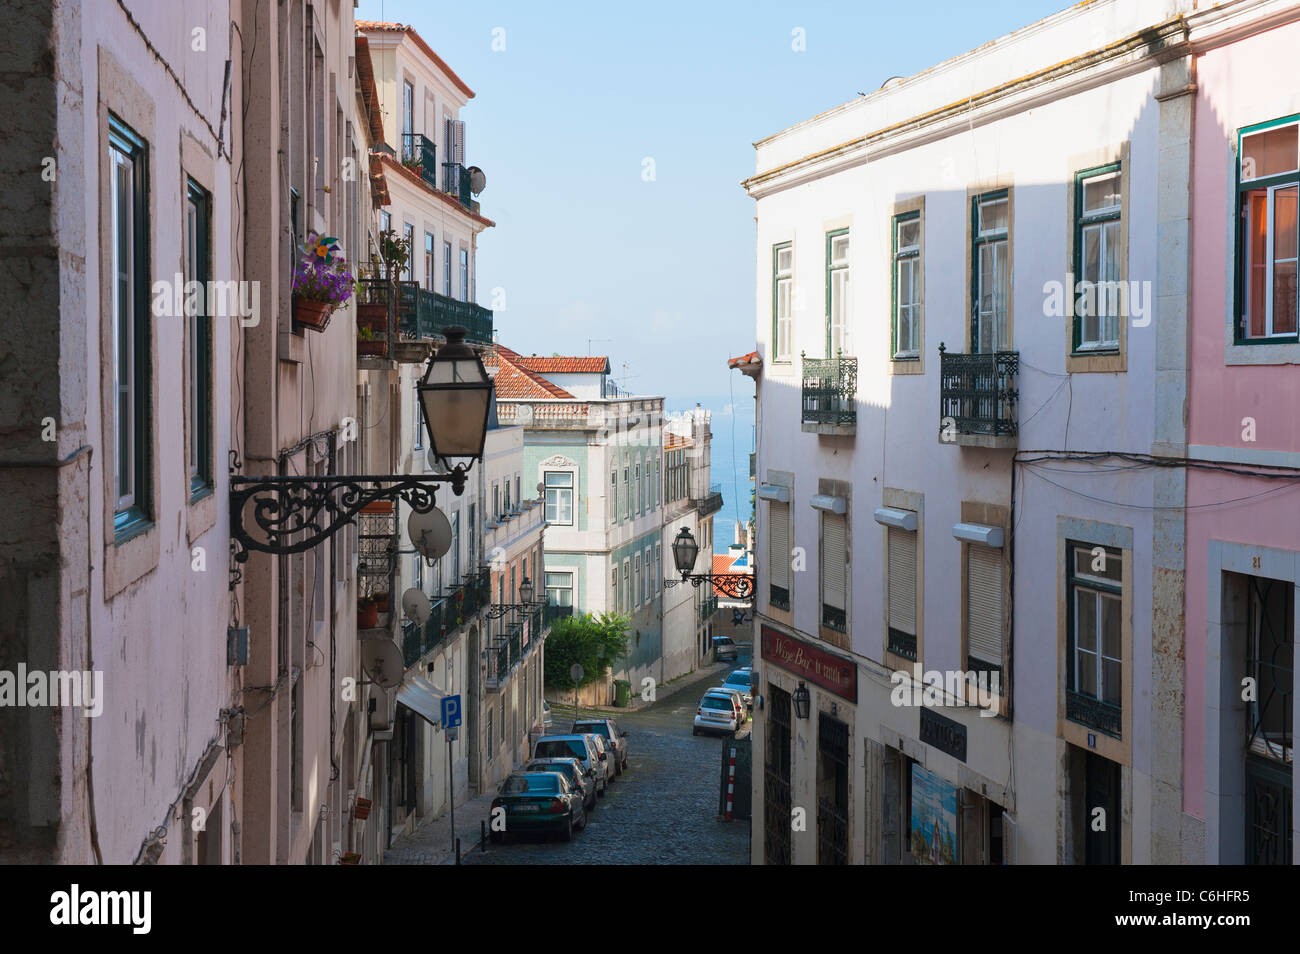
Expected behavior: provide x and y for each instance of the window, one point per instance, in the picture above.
(627, 495)
(834, 560)
(646, 492)
(902, 592)
(659, 579)
(983, 608)
(129, 222)
(990, 285)
(1267, 237)
(197, 243)
(627, 596)
(613, 601)
(496, 501)
(408, 232)
(417, 572)
(613, 495)
(837, 293)
(1097, 245)
(1094, 660)
(559, 588)
(559, 497)
(782, 289)
(464, 274)
(506, 502)
(907, 286)
(648, 578)
(778, 554)
(418, 436)
(385, 221)
(470, 549)
(428, 261)
(408, 107)
(636, 487)
(446, 269)
(639, 587)
(455, 548)
(656, 480)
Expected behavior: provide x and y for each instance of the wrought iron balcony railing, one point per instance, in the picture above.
(834, 618)
(423, 314)
(902, 644)
(455, 182)
(978, 393)
(557, 612)
(778, 597)
(830, 391)
(1094, 713)
(420, 156)
(449, 613)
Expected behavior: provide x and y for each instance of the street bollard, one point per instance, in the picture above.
(482, 838)
(457, 851)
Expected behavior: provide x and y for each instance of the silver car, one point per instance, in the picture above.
(580, 747)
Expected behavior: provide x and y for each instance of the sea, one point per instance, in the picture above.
(732, 424)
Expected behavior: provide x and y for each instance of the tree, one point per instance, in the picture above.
(593, 642)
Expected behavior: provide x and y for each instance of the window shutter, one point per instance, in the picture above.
(778, 537)
(902, 580)
(834, 560)
(458, 139)
(984, 603)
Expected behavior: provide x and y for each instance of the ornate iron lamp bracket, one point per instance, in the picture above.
(736, 586)
(296, 513)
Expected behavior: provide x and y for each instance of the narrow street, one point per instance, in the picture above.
(663, 810)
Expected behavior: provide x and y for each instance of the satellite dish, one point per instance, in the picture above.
(477, 181)
(541, 487)
(381, 660)
(430, 533)
(435, 464)
(415, 605)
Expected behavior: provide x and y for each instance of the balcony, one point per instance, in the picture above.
(1094, 713)
(977, 398)
(450, 612)
(455, 182)
(423, 314)
(557, 612)
(421, 157)
(830, 390)
(710, 503)
(708, 607)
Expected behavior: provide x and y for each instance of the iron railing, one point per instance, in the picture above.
(455, 182)
(830, 390)
(779, 597)
(834, 618)
(420, 156)
(902, 644)
(557, 612)
(978, 393)
(425, 314)
(449, 613)
(708, 607)
(1094, 713)
(376, 551)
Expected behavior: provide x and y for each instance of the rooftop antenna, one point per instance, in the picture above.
(590, 340)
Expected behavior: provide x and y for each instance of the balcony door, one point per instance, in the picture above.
(990, 272)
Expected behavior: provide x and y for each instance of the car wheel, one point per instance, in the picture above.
(583, 826)
(695, 730)
(625, 765)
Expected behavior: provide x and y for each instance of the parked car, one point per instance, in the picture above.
(716, 713)
(540, 801)
(608, 730)
(546, 716)
(741, 681)
(571, 769)
(742, 711)
(724, 648)
(580, 747)
(604, 753)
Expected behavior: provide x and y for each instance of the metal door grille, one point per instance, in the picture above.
(776, 780)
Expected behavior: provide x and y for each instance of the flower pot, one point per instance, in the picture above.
(378, 506)
(382, 603)
(367, 614)
(350, 858)
(375, 348)
(361, 809)
(373, 316)
(311, 313)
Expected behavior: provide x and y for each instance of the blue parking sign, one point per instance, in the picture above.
(450, 712)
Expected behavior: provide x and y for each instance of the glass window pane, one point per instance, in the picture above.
(1111, 626)
(784, 256)
(1085, 619)
(993, 215)
(840, 249)
(909, 234)
(1101, 192)
(1269, 152)
(1284, 260)
(1085, 672)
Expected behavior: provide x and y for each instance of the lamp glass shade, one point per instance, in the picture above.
(526, 591)
(456, 395)
(801, 699)
(685, 551)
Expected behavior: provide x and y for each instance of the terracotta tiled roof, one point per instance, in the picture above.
(745, 361)
(416, 179)
(366, 75)
(515, 382)
(377, 26)
(724, 563)
(565, 365)
(676, 441)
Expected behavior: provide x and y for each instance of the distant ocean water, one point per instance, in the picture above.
(733, 439)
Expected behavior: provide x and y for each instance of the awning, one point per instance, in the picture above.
(422, 697)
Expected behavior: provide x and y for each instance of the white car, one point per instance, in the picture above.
(739, 697)
(717, 712)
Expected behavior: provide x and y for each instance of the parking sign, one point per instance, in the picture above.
(450, 712)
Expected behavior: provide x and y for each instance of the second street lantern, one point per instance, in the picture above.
(456, 394)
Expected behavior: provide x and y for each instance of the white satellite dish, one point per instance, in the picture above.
(381, 660)
(435, 464)
(430, 533)
(415, 605)
(477, 181)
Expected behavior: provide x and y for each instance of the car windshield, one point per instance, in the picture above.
(717, 702)
(564, 769)
(738, 679)
(533, 782)
(723, 641)
(595, 728)
(561, 748)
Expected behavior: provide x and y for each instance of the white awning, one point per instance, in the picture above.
(893, 517)
(422, 697)
(774, 492)
(978, 533)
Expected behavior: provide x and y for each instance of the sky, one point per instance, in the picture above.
(657, 273)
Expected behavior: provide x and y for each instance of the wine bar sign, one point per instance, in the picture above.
(811, 663)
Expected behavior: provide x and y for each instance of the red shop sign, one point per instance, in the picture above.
(813, 664)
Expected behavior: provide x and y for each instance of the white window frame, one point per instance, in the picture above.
(909, 255)
(558, 490)
(782, 302)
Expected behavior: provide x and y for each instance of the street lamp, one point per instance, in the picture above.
(801, 699)
(526, 604)
(456, 396)
(739, 586)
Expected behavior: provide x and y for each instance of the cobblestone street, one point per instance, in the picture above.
(663, 810)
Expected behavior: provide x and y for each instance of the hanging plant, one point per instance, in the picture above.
(321, 281)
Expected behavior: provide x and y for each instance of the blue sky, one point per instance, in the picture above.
(583, 92)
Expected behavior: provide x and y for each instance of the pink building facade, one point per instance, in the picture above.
(1243, 528)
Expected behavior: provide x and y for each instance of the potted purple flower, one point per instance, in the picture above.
(321, 282)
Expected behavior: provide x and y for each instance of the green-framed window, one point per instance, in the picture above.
(198, 224)
(906, 291)
(613, 496)
(1098, 240)
(837, 293)
(990, 270)
(129, 237)
(782, 301)
(1268, 186)
(1094, 657)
